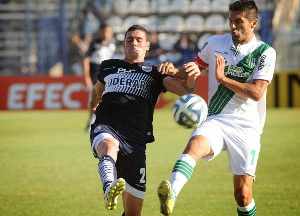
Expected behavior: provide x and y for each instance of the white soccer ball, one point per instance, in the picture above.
(190, 110)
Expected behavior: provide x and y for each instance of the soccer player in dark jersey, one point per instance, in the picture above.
(126, 93)
(100, 49)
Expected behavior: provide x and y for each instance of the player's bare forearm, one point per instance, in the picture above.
(180, 73)
(96, 95)
(86, 67)
(94, 100)
(181, 86)
(187, 70)
(168, 68)
(254, 90)
(86, 73)
(177, 86)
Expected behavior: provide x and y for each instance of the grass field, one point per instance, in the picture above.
(46, 168)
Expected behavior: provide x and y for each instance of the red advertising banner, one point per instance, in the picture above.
(42, 92)
(67, 92)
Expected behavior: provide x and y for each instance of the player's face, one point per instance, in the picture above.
(135, 46)
(241, 27)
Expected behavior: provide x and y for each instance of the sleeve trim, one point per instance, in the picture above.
(200, 62)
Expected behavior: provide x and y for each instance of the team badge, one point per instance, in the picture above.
(147, 68)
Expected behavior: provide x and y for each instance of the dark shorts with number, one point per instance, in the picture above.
(131, 161)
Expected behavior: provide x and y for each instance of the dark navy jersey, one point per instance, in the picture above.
(129, 98)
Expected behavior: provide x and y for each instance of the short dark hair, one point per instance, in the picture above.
(138, 27)
(247, 6)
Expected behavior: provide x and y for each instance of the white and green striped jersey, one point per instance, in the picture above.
(244, 63)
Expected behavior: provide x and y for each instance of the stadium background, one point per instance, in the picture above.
(45, 164)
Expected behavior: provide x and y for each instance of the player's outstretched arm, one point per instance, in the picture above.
(182, 86)
(167, 68)
(192, 72)
(180, 81)
(188, 69)
(254, 90)
(176, 86)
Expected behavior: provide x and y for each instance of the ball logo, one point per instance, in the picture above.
(190, 110)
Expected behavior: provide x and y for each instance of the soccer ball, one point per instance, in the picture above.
(190, 110)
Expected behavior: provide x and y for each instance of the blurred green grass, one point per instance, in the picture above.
(46, 168)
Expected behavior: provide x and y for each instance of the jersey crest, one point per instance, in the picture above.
(147, 68)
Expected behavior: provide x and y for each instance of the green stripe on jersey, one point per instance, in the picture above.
(219, 100)
(241, 73)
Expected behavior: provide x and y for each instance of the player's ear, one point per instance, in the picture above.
(253, 24)
(148, 45)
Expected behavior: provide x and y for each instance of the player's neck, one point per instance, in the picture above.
(134, 61)
(245, 41)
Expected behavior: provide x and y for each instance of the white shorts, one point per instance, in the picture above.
(242, 144)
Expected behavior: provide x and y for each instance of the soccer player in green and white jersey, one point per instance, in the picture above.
(240, 67)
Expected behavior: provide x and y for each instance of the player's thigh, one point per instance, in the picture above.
(103, 141)
(132, 205)
(211, 135)
(132, 167)
(243, 147)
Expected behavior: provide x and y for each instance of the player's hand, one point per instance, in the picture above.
(167, 68)
(220, 66)
(193, 72)
(192, 69)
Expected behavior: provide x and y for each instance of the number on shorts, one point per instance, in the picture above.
(253, 152)
(143, 173)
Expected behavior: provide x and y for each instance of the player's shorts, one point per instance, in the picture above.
(241, 143)
(131, 161)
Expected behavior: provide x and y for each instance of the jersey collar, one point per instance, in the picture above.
(241, 47)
